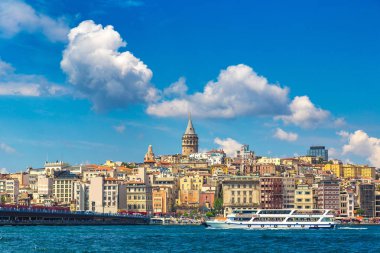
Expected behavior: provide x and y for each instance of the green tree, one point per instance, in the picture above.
(218, 205)
(360, 212)
(2, 200)
(210, 214)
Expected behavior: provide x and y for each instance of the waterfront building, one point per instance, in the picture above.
(319, 152)
(63, 186)
(139, 197)
(44, 192)
(303, 197)
(160, 200)
(189, 139)
(240, 192)
(190, 188)
(367, 199)
(328, 194)
(377, 204)
(81, 196)
(271, 193)
(169, 185)
(289, 186)
(9, 189)
(106, 195)
(347, 204)
(206, 199)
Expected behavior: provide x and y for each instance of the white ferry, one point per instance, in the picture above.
(276, 219)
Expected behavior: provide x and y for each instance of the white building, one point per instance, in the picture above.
(212, 157)
(10, 189)
(81, 195)
(106, 196)
(347, 204)
(244, 153)
(63, 186)
(50, 167)
(269, 160)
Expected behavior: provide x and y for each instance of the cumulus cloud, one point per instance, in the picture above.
(178, 88)
(3, 171)
(304, 113)
(6, 148)
(237, 91)
(16, 16)
(12, 84)
(99, 72)
(285, 136)
(5, 68)
(120, 128)
(229, 146)
(359, 143)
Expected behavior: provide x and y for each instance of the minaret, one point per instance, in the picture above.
(189, 139)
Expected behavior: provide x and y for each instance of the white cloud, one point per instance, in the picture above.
(178, 88)
(237, 91)
(120, 128)
(230, 146)
(3, 171)
(16, 16)
(5, 68)
(343, 134)
(285, 136)
(303, 113)
(333, 153)
(6, 148)
(359, 143)
(101, 73)
(12, 84)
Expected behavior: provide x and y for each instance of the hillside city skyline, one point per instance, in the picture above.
(83, 86)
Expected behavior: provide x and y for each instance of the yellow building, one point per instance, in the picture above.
(219, 169)
(303, 197)
(351, 171)
(337, 169)
(160, 198)
(190, 187)
(367, 172)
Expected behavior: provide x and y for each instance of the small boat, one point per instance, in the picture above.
(276, 219)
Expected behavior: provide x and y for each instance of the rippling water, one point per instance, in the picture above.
(186, 239)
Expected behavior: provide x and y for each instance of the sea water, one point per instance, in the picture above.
(186, 239)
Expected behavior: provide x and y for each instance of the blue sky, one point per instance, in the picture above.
(279, 75)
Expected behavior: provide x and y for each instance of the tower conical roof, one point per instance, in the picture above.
(190, 129)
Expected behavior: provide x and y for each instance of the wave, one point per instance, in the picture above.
(352, 228)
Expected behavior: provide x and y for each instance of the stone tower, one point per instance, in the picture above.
(149, 156)
(189, 139)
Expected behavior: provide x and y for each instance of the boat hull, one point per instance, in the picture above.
(242, 225)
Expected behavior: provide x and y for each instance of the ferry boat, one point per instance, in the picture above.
(276, 219)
